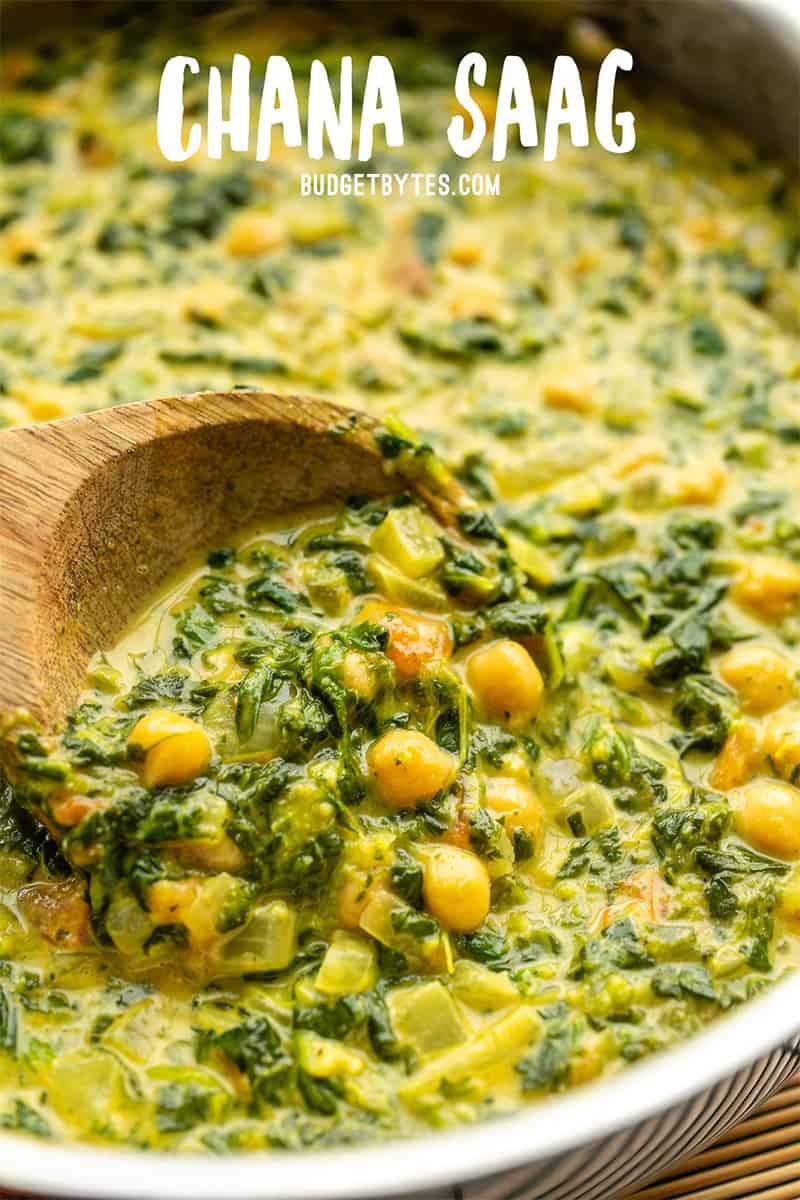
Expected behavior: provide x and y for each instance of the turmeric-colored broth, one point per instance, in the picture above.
(399, 816)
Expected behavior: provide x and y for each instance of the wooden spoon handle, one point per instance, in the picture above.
(95, 512)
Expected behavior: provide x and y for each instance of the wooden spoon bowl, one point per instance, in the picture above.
(97, 510)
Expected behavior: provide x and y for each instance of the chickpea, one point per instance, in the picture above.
(222, 855)
(154, 727)
(479, 298)
(782, 743)
(414, 639)
(466, 249)
(175, 748)
(353, 897)
(704, 229)
(254, 233)
(769, 817)
(169, 900)
(24, 242)
(46, 409)
(195, 903)
(590, 1058)
(408, 768)
(700, 483)
(769, 586)
(177, 760)
(739, 757)
(358, 676)
(570, 394)
(486, 102)
(761, 677)
(456, 888)
(506, 681)
(643, 452)
(516, 804)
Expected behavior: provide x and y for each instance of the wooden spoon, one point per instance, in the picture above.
(97, 510)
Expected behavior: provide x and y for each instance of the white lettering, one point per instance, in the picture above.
(514, 107)
(565, 106)
(238, 127)
(604, 119)
(278, 107)
(381, 106)
(322, 113)
(169, 121)
(462, 144)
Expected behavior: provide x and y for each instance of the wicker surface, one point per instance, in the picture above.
(759, 1160)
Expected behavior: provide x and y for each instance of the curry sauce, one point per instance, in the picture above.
(398, 816)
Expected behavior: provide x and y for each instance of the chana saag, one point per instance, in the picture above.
(393, 817)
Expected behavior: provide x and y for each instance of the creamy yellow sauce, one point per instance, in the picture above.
(606, 355)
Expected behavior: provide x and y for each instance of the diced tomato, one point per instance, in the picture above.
(414, 639)
(643, 896)
(68, 809)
